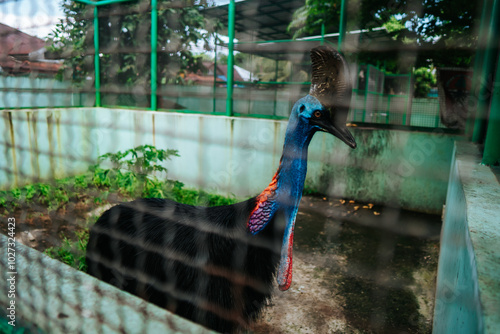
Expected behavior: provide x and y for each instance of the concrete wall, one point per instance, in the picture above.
(468, 286)
(27, 92)
(59, 299)
(230, 155)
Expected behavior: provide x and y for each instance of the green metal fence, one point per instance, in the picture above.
(375, 99)
(378, 97)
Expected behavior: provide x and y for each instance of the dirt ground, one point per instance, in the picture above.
(357, 268)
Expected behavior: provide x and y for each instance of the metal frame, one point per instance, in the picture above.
(483, 125)
(154, 47)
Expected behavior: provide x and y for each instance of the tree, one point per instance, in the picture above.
(440, 32)
(125, 34)
(308, 19)
(425, 79)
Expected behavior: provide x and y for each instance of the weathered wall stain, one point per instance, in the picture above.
(12, 145)
(50, 138)
(35, 153)
(60, 169)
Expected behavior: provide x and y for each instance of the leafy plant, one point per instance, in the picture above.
(425, 79)
(133, 172)
(72, 252)
(137, 172)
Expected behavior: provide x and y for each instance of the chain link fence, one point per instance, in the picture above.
(126, 100)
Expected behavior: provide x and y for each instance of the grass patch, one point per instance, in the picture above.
(72, 252)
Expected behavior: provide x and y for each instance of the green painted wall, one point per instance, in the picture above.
(229, 155)
(468, 285)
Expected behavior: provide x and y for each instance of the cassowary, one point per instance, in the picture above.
(215, 265)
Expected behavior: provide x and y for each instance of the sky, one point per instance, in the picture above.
(33, 17)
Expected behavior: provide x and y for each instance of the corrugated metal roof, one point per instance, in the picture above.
(259, 19)
(267, 21)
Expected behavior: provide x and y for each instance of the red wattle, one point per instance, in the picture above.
(289, 264)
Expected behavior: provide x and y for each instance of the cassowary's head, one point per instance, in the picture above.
(326, 106)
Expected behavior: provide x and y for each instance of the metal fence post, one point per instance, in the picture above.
(230, 59)
(154, 45)
(97, 69)
(491, 153)
(214, 100)
(491, 48)
(341, 26)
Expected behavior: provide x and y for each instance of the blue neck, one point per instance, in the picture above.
(285, 190)
(293, 167)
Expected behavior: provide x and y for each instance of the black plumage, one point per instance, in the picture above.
(198, 262)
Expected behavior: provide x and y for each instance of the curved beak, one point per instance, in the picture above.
(340, 131)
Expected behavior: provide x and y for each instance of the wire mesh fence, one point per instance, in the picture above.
(114, 114)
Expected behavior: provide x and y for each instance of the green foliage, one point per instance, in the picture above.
(72, 252)
(133, 172)
(51, 196)
(199, 197)
(124, 35)
(394, 26)
(444, 31)
(308, 19)
(425, 79)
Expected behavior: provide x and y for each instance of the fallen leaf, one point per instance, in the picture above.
(376, 213)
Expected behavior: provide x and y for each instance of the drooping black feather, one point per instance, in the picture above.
(171, 254)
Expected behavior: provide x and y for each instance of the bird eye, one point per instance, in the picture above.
(302, 108)
(317, 114)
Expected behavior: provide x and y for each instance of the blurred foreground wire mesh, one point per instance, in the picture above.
(92, 118)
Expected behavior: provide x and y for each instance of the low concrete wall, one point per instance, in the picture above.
(28, 92)
(59, 299)
(468, 285)
(229, 155)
